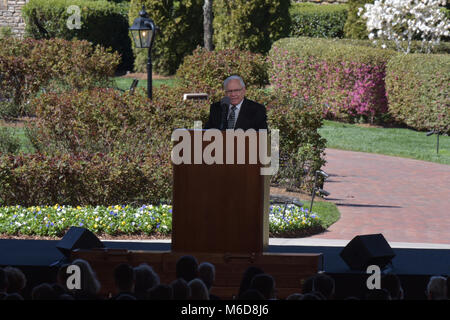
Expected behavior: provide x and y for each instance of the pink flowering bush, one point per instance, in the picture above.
(346, 81)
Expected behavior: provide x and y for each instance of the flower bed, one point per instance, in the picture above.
(119, 220)
(293, 221)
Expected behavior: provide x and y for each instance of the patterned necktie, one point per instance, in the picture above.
(231, 118)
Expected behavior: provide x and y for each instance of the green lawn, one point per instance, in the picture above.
(125, 83)
(18, 137)
(327, 211)
(389, 141)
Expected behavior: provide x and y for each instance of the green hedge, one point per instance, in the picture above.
(102, 22)
(28, 66)
(205, 70)
(418, 90)
(84, 179)
(346, 80)
(102, 146)
(181, 31)
(250, 25)
(355, 26)
(318, 21)
(99, 146)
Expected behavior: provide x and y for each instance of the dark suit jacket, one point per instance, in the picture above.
(251, 116)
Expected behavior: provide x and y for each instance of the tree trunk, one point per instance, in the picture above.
(207, 25)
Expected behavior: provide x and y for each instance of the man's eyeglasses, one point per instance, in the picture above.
(233, 91)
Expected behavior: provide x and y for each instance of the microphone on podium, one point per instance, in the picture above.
(224, 103)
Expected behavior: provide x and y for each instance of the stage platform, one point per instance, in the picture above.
(414, 266)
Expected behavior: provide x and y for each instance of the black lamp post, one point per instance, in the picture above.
(315, 189)
(143, 32)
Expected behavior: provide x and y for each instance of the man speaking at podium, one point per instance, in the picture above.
(234, 111)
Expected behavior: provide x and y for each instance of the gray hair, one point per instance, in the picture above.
(198, 289)
(207, 272)
(146, 277)
(234, 77)
(90, 283)
(437, 288)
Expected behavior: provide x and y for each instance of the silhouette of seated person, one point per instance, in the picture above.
(314, 295)
(124, 278)
(198, 290)
(181, 290)
(378, 294)
(160, 292)
(391, 283)
(44, 291)
(207, 273)
(3, 284)
(187, 268)
(265, 284)
(320, 283)
(294, 296)
(437, 288)
(13, 297)
(16, 280)
(251, 294)
(90, 285)
(247, 277)
(146, 278)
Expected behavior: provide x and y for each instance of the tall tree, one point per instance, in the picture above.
(207, 25)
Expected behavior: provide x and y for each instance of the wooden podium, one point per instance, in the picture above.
(219, 215)
(221, 208)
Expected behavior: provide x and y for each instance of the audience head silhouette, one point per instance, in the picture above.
(321, 283)
(207, 272)
(187, 268)
(146, 278)
(378, 294)
(16, 279)
(43, 291)
(437, 288)
(251, 294)
(247, 277)
(198, 290)
(181, 290)
(265, 284)
(3, 282)
(90, 286)
(392, 284)
(160, 292)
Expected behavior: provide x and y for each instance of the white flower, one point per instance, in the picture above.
(410, 17)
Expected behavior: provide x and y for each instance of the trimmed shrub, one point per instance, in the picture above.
(102, 22)
(18, 82)
(347, 80)
(94, 144)
(355, 26)
(250, 25)
(418, 91)
(105, 120)
(441, 48)
(301, 146)
(207, 70)
(318, 21)
(181, 31)
(27, 66)
(84, 179)
(99, 147)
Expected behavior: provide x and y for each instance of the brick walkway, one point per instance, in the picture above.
(406, 200)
